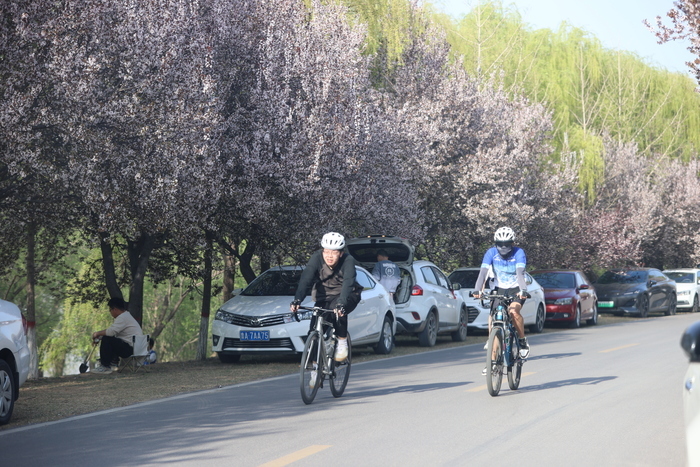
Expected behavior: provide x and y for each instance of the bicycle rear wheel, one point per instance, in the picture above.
(311, 371)
(340, 373)
(515, 369)
(494, 361)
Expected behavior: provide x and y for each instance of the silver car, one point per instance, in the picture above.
(426, 301)
(690, 342)
(257, 321)
(14, 357)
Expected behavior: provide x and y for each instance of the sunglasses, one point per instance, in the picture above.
(504, 243)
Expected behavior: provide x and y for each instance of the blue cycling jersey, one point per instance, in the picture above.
(505, 268)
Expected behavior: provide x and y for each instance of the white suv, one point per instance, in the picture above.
(687, 288)
(14, 357)
(426, 302)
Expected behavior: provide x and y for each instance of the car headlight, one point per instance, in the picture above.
(684, 292)
(224, 316)
(563, 301)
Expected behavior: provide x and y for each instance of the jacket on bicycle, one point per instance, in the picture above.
(328, 282)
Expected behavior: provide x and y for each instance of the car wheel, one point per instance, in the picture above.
(538, 327)
(594, 320)
(7, 392)
(386, 340)
(671, 306)
(576, 323)
(228, 358)
(643, 306)
(695, 305)
(460, 335)
(428, 337)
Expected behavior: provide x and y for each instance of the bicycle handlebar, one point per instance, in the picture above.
(314, 309)
(494, 296)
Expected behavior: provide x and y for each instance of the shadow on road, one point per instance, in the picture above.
(416, 388)
(554, 356)
(561, 384)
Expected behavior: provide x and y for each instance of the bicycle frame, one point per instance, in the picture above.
(317, 360)
(325, 352)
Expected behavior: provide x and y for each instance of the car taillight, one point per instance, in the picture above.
(416, 290)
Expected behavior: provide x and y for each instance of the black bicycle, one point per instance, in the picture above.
(317, 362)
(503, 347)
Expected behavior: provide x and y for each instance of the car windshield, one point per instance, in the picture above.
(682, 277)
(275, 282)
(555, 280)
(466, 279)
(623, 277)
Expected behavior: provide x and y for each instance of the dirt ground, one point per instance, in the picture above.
(49, 399)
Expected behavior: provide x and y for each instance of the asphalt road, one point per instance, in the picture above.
(608, 395)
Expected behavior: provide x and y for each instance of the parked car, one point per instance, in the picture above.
(569, 295)
(426, 302)
(636, 291)
(687, 288)
(258, 321)
(533, 310)
(14, 357)
(690, 342)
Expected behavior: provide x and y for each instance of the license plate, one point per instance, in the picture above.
(606, 304)
(255, 335)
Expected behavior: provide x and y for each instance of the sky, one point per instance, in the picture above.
(616, 23)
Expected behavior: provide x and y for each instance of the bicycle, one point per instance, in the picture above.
(317, 358)
(503, 347)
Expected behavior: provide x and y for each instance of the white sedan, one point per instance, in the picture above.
(258, 321)
(690, 342)
(533, 311)
(687, 288)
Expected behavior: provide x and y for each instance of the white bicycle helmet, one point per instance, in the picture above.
(504, 234)
(333, 241)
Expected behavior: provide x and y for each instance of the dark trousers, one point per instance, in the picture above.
(340, 325)
(111, 348)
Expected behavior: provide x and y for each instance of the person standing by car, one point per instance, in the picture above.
(386, 272)
(332, 274)
(508, 263)
(116, 340)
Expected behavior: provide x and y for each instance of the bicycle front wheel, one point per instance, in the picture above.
(494, 361)
(340, 373)
(311, 370)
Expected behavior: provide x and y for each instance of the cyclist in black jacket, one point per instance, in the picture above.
(332, 273)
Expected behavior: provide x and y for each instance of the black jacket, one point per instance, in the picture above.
(327, 282)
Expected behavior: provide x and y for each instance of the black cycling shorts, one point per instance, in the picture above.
(511, 292)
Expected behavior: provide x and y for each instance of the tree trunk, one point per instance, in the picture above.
(108, 264)
(245, 260)
(203, 341)
(229, 276)
(139, 254)
(31, 304)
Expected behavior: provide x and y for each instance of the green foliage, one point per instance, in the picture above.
(584, 84)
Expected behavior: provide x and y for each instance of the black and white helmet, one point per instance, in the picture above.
(504, 234)
(333, 241)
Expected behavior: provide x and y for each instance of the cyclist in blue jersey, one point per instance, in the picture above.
(508, 263)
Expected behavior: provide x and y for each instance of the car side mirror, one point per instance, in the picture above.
(651, 283)
(690, 342)
(456, 286)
